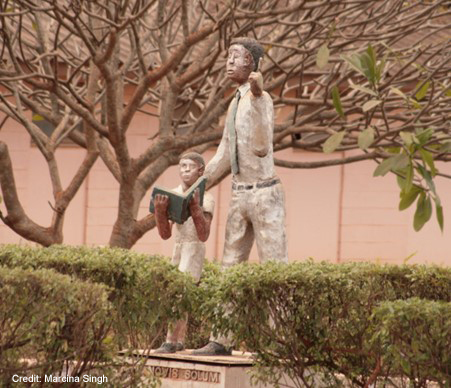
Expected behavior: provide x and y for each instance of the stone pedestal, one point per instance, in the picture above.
(184, 370)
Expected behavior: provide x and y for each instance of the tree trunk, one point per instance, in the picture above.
(124, 226)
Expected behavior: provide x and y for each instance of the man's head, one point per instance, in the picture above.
(244, 56)
(191, 167)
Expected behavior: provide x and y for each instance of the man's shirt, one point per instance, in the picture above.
(251, 112)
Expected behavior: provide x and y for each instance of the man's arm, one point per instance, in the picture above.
(221, 161)
(202, 220)
(161, 203)
(262, 116)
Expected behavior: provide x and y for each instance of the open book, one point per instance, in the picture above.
(178, 210)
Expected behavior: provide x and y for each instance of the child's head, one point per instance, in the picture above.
(191, 168)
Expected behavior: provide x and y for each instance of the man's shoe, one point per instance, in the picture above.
(213, 349)
(179, 347)
(166, 348)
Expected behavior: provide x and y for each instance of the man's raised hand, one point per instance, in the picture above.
(256, 81)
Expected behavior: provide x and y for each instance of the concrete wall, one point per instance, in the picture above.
(336, 213)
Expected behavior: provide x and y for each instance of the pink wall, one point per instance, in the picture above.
(336, 213)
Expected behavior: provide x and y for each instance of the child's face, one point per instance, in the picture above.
(190, 171)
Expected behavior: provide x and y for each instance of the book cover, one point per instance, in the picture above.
(178, 210)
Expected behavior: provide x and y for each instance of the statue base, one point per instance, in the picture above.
(184, 370)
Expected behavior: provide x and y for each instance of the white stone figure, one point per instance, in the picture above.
(257, 208)
(190, 237)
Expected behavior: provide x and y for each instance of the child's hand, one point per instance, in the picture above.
(194, 204)
(161, 203)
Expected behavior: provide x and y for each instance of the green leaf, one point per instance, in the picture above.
(333, 142)
(393, 150)
(424, 135)
(362, 88)
(428, 160)
(439, 213)
(371, 53)
(423, 90)
(384, 167)
(401, 182)
(322, 58)
(354, 62)
(405, 181)
(405, 365)
(368, 66)
(393, 163)
(337, 102)
(371, 63)
(401, 161)
(407, 138)
(437, 201)
(370, 105)
(37, 117)
(423, 212)
(415, 103)
(380, 67)
(366, 138)
(398, 92)
(428, 178)
(407, 198)
(409, 177)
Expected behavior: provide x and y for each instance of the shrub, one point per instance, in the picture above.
(309, 321)
(47, 320)
(306, 317)
(146, 291)
(199, 325)
(415, 336)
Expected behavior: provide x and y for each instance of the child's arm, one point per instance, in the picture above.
(202, 220)
(161, 216)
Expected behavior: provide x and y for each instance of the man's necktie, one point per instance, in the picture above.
(232, 134)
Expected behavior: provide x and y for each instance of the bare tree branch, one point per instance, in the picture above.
(367, 76)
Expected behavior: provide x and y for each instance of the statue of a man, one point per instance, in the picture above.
(257, 207)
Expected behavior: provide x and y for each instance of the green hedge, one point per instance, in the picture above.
(306, 317)
(414, 337)
(342, 323)
(199, 324)
(146, 291)
(47, 319)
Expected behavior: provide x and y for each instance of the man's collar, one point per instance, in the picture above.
(244, 88)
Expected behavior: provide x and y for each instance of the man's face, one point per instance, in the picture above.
(239, 63)
(190, 171)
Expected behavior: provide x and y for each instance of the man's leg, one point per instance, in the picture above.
(267, 211)
(238, 243)
(176, 334)
(239, 235)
